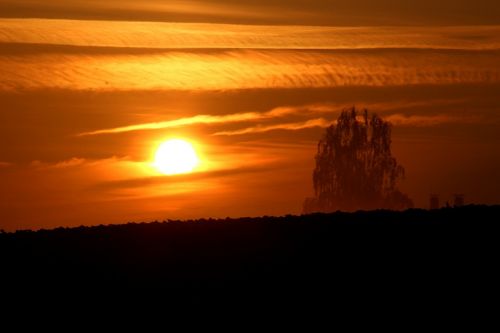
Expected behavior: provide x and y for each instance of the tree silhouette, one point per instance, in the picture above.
(355, 168)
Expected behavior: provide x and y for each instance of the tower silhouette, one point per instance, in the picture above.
(459, 200)
(434, 201)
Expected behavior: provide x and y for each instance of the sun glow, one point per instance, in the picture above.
(175, 157)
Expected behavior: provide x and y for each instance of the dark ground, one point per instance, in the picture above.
(448, 253)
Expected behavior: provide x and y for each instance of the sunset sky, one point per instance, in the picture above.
(90, 89)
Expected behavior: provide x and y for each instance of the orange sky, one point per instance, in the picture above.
(89, 89)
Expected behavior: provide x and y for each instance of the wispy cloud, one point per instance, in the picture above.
(5, 164)
(246, 69)
(182, 178)
(296, 12)
(69, 163)
(425, 121)
(198, 119)
(394, 119)
(158, 35)
(117, 55)
(319, 122)
(77, 162)
(329, 109)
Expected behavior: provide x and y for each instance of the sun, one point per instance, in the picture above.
(175, 157)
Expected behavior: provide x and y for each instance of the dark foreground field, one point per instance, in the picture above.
(449, 252)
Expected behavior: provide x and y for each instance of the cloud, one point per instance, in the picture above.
(329, 109)
(5, 164)
(395, 119)
(247, 69)
(168, 36)
(69, 163)
(319, 122)
(296, 12)
(425, 121)
(78, 162)
(199, 119)
(182, 178)
(150, 10)
(124, 56)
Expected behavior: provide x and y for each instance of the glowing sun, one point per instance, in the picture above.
(175, 157)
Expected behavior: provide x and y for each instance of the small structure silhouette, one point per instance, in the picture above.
(459, 200)
(434, 202)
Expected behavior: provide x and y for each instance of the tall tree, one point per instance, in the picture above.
(355, 168)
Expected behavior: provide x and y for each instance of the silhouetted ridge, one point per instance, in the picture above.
(367, 251)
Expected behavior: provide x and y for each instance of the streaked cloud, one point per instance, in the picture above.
(198, 119)
(125, 56)
(319, 122)
(251, 117)
(182, 178)
(327, 109)
(72, 162)
(158, 35)
(430, 120)
(327, 12)
(75, 162)
(395, 119)
(247, 69)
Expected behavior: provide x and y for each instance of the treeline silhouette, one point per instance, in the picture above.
(299, 256)
(355, 169)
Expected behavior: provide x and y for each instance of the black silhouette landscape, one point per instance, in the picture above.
(416, 252)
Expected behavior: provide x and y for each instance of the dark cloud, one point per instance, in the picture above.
(183, 178)
(326, 12)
